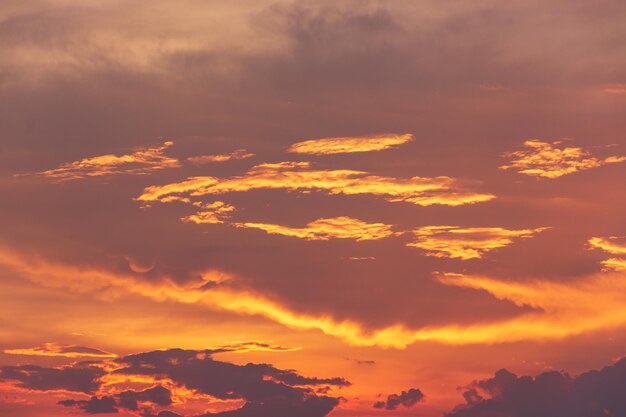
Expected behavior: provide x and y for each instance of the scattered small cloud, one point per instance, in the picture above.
(140, 162)
(466, 243)
(328, 146)
(552, 160)
(211, 213)
(205, 159)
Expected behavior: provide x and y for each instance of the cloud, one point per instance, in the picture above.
(560, 309)
(545, 159)
(550, 394)
(328, 146)
(331, 228)
(94, 405)
(204, 159)
(298, 176)
(405, 398)
(614, 264)
(140, 162)
(614, 245)
(75, 378)
(466, 243)
(264, 389)
(611, 244)
(211, 213)
(55, 349)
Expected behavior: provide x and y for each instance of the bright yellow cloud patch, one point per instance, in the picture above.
(331, 228)
(613, 245)
(212, 213)
(141, 161)
(548, 160)
(329, 146)
(298, 176)
(204, 159)
(466, 243)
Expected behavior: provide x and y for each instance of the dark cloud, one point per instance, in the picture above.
(158, 395)
(78, 379)
(550, 394)
(267, 391)
(406, 398)
(94, 405)
(197, 370)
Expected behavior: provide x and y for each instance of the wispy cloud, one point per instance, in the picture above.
(549, 160)
(298, 176)
(211, 213)
(466, 243)
(331, 228)
(615, 246)
(204, 159)
(55, 349)
(327, 146)
(141, 161)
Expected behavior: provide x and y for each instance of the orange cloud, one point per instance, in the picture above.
(55, 349)
(237, 154)
(614, 264)
(332, 228)
(212, 213)
(615, 89)
(141, 161)
(329, 146)
(298, 176)
(544, 159)
(466, 243)
(562, 309)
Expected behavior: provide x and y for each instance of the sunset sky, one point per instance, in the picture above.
(349, 208)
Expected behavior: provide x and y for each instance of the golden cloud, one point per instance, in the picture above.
(140, 162)
(466, 243)
(329, 146)
(212, 213)
(298, 176)
(544, 159)
(324, 229)
(55, 349)
(237, 154)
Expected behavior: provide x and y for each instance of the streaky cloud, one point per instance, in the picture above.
(56, 349)
(141, 161)
(234, 155)
(329, 146)
(466, 243)
(329, 228)
(298, 176)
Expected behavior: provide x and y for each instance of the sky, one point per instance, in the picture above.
(312, 208)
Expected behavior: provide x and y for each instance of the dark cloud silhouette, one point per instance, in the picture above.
(158, 395)
(267, 391)
(94, 405)
(406, 398)
(550, 394)
(75, 378)
(197, 370)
